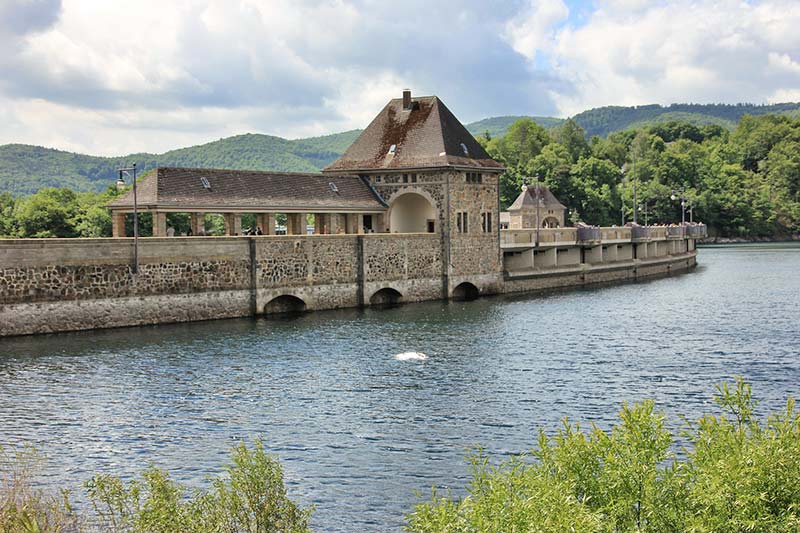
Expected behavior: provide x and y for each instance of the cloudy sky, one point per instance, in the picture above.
(111, 77)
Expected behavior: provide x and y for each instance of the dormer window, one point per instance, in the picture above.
(333, 187)
(392, 148)
(205, 183)
(464, 149)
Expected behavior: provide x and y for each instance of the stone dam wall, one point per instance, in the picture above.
(51, 285)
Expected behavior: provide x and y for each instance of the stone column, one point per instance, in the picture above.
(320, 225)
(198, 224)
(266, 221)
(380, 223)
(233, 223)
(118, 224)
(159, 224)
(351, 223)
(337, 223)
(296, 224)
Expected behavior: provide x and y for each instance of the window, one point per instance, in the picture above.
(464, 149)
(462, 222)
(474, 177)
(413, 178)
(405, 178)
(486, 222)
(392, 148)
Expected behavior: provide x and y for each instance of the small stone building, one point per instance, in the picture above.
(534, 204)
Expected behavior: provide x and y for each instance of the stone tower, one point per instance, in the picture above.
(435, 177)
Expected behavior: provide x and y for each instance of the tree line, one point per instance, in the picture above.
(742, 183)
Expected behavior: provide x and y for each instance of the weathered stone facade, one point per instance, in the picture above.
(66, 284)
(471, 249)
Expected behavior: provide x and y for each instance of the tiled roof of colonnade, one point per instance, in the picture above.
(205, 189)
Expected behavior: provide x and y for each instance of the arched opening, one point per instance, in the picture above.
(385, 297)
(285, 305)
(550, 222)
(465, 291)
(412, 213)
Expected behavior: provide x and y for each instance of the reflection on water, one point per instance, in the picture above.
(359, 430)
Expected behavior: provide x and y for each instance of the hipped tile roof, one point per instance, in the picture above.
(236, 189)
(428, 135)
(527, 199)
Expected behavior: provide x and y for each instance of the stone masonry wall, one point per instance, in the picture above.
(68, 284)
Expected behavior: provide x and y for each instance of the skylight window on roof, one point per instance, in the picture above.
(464, 148)
(392, 148)
(333, 187)
(205, 182)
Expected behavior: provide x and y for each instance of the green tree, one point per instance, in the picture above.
(572, 137)
(48, 213)
(524, 141)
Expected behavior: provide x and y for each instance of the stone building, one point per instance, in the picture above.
(536, 206)
(434, 177)
(414, 169)
(340, 204)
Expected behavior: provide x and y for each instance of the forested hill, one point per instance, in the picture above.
(604, 120)
(24, 169)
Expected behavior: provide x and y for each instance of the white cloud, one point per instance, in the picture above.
(153, 74)
(114, 77)
(682, 51)
(533, 30)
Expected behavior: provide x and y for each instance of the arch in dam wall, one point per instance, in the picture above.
(465, 291)
(286, 304)
(385, 297)
(412, 211)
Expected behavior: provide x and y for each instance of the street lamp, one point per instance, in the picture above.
(538, 198)
(644, 206)
(684, 201)
(635, 198)
(121, 180)
(621, 199)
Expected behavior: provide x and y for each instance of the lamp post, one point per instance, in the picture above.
(622, 200)
(644, 206)
(127, 172)
(682, 195)
(635, 197)
(537, 196)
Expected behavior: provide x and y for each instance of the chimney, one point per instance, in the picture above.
(407, 99)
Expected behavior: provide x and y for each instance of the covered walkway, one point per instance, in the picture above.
(280, 202)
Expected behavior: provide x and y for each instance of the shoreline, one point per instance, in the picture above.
(748, 240)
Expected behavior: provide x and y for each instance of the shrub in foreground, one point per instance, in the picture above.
(736, 474)
(25, 509)
(250, 497)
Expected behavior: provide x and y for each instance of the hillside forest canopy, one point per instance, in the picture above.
(743, 182)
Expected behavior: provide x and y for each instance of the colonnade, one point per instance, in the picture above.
(325, 223)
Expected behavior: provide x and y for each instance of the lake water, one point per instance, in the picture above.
(358, 431)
